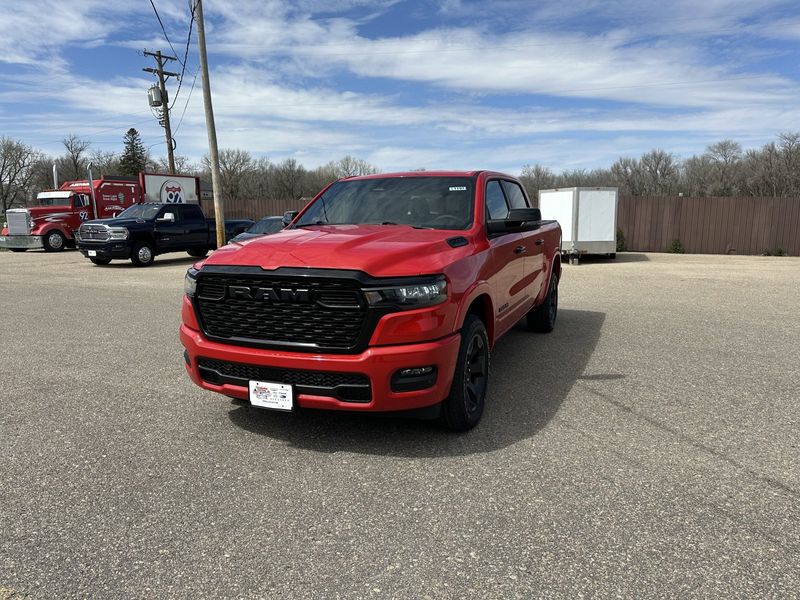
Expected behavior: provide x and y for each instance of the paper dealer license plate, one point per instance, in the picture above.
(92, 253)
(277, 396)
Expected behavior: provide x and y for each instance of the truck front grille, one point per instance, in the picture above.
(348, 387)
(298, 313)
(93, 233)
(18, 222)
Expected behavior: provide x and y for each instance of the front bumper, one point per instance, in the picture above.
(29, 242)
(119, 249)
(378, 363)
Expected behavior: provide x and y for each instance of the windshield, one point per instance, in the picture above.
(427, 202)
(54, 201)
(140, 211)
(265, 226)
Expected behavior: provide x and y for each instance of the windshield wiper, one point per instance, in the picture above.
(405, 225)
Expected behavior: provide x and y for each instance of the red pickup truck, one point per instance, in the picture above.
(385, 293)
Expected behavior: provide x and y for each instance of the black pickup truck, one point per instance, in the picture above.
(143, 231)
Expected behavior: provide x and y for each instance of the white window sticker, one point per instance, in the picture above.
(458, 188)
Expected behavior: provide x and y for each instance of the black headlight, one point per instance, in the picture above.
(190, 281)
(409, 295)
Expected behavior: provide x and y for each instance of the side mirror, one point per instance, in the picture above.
(289, 216)
(518, 219)
(524, 215)
(166, 218)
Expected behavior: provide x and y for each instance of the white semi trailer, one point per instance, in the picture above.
(588, 219)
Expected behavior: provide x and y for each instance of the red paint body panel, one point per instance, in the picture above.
(493, 271)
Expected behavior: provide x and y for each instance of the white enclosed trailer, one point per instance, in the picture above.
(588, 219)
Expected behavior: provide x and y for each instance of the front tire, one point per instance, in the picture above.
(100, 261)
(463, 407)
(542, 318)
(54, 241)
(143, 254)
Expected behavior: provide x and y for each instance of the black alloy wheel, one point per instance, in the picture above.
(463, 407)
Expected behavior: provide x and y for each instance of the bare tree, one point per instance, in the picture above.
(790, 153)
(658, 172)
(72, 165)
(627, 174)
(183, 165)
(725, 156)
(350, 166)
(234, 165)
(289, 177)
(104, 163)
(535, 178)
(16, 171)
(761, 171)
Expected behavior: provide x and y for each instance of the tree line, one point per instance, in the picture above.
(724, 169)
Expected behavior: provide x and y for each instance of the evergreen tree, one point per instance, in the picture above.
(134, 156)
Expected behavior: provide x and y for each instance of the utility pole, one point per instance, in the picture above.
(162, 75)
(213, 151)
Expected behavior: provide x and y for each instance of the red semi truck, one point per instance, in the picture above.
(386, 293)
(52, 224)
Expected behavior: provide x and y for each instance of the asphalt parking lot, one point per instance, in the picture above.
(649, 447)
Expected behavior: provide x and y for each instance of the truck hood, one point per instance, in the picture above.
(128, 223)
(38, 212)
(378, 250)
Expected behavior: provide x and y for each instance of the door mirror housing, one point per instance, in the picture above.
(166, 218)
(289, 216)
(518, 219)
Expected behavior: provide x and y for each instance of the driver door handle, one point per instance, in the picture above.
(540, 241)
(520, 250)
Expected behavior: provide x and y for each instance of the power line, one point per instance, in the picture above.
(189, 97)
(185, 57)
(160, 22)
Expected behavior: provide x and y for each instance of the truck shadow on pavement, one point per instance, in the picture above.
(531, 375)
(158, 262)
(622, 257)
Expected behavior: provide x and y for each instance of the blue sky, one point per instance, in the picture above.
(403, 85)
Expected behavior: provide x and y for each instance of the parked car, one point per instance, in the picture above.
(143, 231)
(386, 293)
(52, 224)
(264, 226)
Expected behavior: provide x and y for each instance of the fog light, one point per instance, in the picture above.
(414, 379)
(415, 371)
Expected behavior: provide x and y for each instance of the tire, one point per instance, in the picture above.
(18, 249)
(463, 407)
(542, 318)
(100, 261)
(198, 252)
(54, 241)
(143, 254)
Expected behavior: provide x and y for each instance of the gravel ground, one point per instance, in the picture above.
(648, 448)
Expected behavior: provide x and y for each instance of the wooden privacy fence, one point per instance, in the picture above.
(254, 209)
(716, 225)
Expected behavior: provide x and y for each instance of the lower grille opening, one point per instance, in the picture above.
(347, 387)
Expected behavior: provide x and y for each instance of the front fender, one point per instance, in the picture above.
(49, 227)
(476, 290)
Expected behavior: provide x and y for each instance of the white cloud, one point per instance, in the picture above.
(289, 81)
